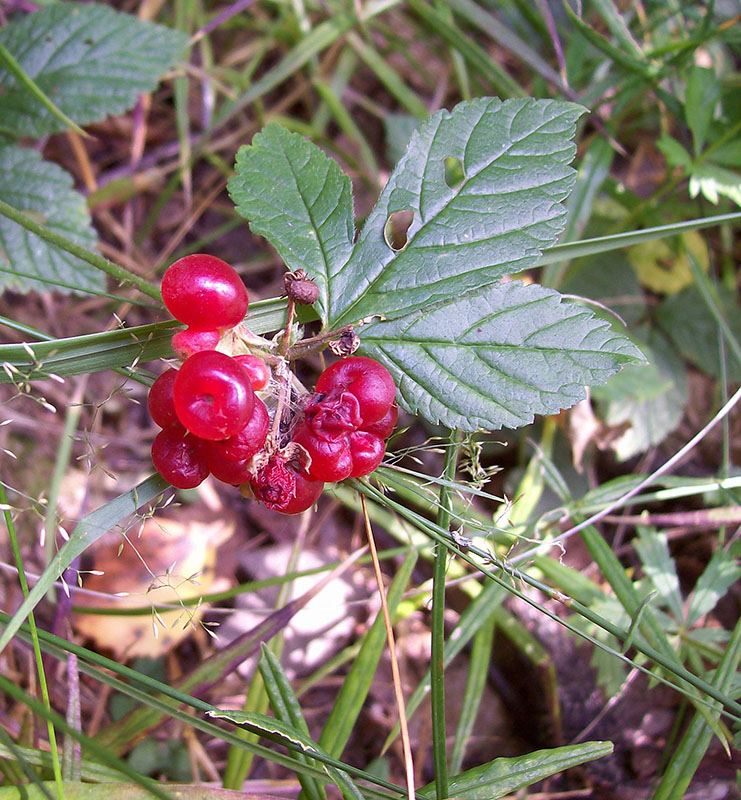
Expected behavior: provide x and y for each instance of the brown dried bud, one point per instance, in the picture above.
(300, 288)
(346, 345)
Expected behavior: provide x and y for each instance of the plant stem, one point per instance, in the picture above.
(437, 669)
(121, 274)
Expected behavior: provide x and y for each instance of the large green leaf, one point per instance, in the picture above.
(88, 59)
(43, 189)
(497, 220)
(299, 200)
(496, 356)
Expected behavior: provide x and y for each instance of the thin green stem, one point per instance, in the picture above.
(35, 640)
(121, 274)
(437, 669)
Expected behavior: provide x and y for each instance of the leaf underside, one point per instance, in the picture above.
(90, 60)
(495, 357)
(44, 191)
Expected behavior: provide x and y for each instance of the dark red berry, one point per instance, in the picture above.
(331, 461)
(243, 445)
(159, 400)
(256, 368)
(180, 458)
(189, 341)
(367, 452)
(280, 488)
(235, 473)
(204, 292)
(334, 415)
(308, 492)
(368, 380)
(213, 395)
(385, 426)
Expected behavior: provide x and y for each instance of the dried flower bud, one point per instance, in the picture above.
(300, 288)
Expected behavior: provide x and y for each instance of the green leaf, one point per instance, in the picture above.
(299, 200)
(701, 98)
(123, 791)
(691, 326)
(649, 397)
(496, 356)
(90, 60)
(497, 221)
(658, 564)
(720, 574)
(676, 155)
(506, 775)
(44, 190)
(713, 181)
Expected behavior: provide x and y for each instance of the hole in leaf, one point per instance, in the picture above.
(396, 227)
(454, 174)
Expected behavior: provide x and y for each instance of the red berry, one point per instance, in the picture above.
(280, 488)
(160, 403)
(331, 461)
(204, 292)
(367, 452)
(385, 426)
(257, 369)
(235, 473)
(243, 445)
(308, 492)
(213, 395)
(189, 341)
(368, 380)
(334, 415)
(179, 458)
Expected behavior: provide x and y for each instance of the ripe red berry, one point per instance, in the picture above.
(235, 473)
(204, 292)
(307, 493)
(213, 395)
(367, 452)
(180, 458)
(160, 403)
(256, 368)
(331, 461)
(189, 341)
(385, 426)
(334, 415)
(368, 380)
(243, 445)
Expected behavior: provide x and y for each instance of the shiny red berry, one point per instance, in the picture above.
(204, 292)
(180, 458)
(280, 488)
(256, 368)
(189, 341)
(160, 402)
(385, 426)
(367, 452)
(307, 493)
(213, 395)
(364, 377)
(243, 445)
(331, 460)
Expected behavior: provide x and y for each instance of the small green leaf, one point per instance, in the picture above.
(506, 775)
(44, 190)
(506, 211)
(719, 575)
(713, 181)
(299, 200)
(701, 98)
(676, 155)
(90, 60)
(659, 566)
(495, 357)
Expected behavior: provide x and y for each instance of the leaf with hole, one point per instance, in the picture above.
(43, 190)
(497, 356)
(483, 185)
(90, 60)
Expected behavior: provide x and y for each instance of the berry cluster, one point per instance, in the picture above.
(214, 422)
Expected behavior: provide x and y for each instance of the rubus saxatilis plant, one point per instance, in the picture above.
(438, 323)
